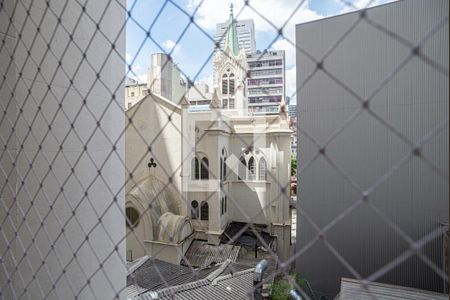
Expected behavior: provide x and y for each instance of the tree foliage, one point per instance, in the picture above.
(293, 166)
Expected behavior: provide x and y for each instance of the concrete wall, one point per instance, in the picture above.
(414, 102)
(50, 199)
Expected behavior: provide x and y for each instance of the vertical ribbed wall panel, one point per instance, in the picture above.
(411, 106)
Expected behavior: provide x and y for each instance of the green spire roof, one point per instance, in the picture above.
(231, 40)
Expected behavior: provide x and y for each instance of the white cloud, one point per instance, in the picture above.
(128, 57)
(170, 45)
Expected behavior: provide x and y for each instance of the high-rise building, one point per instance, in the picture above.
(245, 31)
(164, 78)
(266, 81)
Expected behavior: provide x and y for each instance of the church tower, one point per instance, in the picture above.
(230, 71)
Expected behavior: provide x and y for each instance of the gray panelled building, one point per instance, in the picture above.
(374, 151)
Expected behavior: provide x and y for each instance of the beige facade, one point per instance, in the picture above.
(134, 93)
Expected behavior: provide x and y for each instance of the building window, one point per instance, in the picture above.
(132, 217)
(242, 169)
(222, 206)
(204, 174)
(228, 89)
(224, 169)
(225, 84)
(195, 169)
(231, 103)
(194, 210)
(225, 204)
(132, 94)
(204, 211)
(129, 104)
(262, 169)
(221, 168)
(231, 84)
(251, 169)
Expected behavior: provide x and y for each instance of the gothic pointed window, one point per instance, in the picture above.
(251, 169)
(221, 168)
(225, 84)
(242, 169)
(194, 210)
(195, 169)
(204, 173)
(204, 211)
(231, 84)
(262, 169)
(224, 170)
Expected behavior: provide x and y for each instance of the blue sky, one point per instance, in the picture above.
(191, 45)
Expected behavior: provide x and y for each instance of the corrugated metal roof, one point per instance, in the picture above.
(352, 289)
(154, 274)
(235, 286)
(201, 254)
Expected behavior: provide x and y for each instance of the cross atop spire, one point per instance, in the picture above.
(231, 39)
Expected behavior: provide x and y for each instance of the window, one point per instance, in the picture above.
(228, 88)
(195, 169)
(242, 169)
(204, 211)
(129, 104)
(262, 169)
(231, 84)
(132, 217)
(224, 170)
(194, 210)
(221, 168)
(225, 204)
(204, 174)
(251, 169)
(231, 103)
(225, 84)
(132, 94)
(222, 206)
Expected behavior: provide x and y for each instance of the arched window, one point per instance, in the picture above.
(204, 211)
(132, 217)
(225, 84)
(231, 84)
(194, 210)
(204, 174)
(224, 170)
(221, 168)
(262, 169)
(242, 169)
(251, 169)
(195, 169)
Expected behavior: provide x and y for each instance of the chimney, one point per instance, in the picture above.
(257, 279)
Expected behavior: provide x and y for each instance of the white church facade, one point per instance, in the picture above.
(190, 174)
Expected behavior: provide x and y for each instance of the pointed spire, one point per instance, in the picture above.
(231, 39)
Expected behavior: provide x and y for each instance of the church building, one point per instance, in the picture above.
(193, 173)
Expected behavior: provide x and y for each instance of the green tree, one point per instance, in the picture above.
(293, 166)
